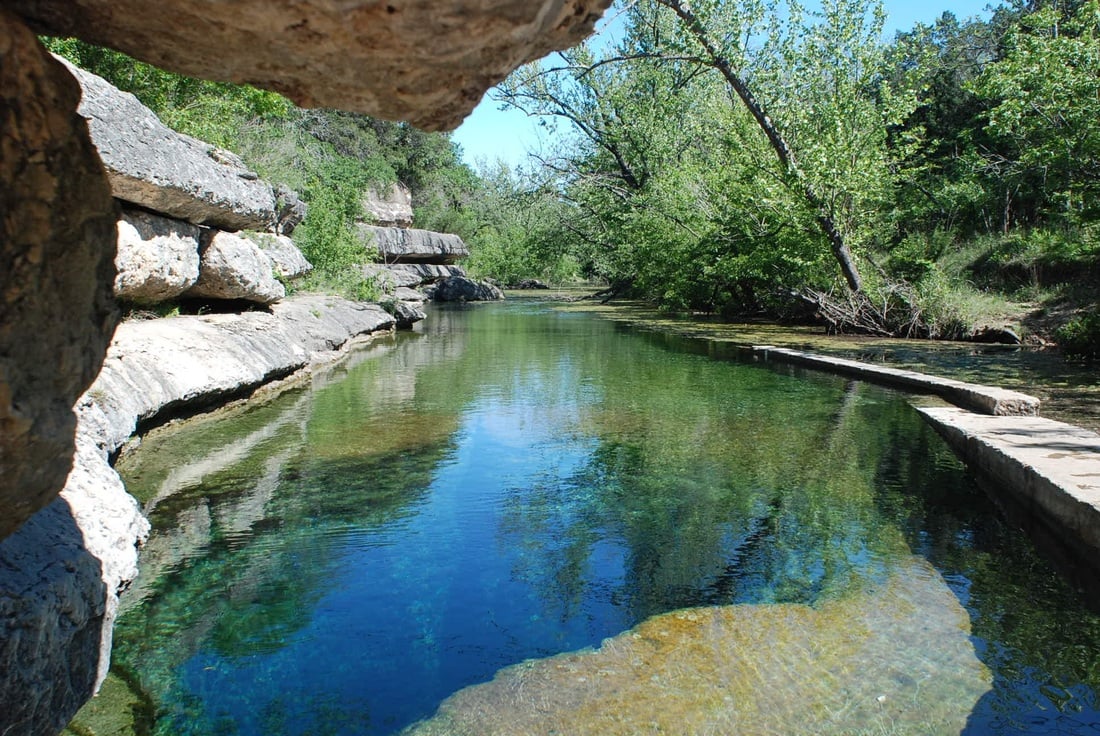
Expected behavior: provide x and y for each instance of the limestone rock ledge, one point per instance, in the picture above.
(395, 244)
(62, 571)
(153, 166)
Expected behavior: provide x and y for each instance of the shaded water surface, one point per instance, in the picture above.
(519, 483)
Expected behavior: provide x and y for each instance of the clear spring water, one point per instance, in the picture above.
(517, 483)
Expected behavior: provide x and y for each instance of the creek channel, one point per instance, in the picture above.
(525, 520)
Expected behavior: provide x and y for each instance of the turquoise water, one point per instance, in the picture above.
(516, 483)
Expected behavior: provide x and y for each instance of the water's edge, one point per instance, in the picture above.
(61, 573)
(258, 392)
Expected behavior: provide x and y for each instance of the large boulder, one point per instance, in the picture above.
(395, 244)
(423, 61)
(289, 262)
(57, 247)
(158, 258)
(233, 267)
(391, 207)
(405, 313)
(462, 289)
(152, 166)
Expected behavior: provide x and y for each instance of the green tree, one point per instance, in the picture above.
(1045, 112)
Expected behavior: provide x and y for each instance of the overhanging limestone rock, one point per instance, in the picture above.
(395, 244)
(152, 166)
(425, 61)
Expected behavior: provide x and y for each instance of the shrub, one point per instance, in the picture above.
(1080, 337)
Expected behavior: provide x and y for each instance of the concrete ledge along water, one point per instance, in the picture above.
(1052, 469)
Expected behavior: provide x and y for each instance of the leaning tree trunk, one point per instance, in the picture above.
(779, 144)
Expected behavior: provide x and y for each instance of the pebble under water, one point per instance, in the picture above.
(521, 520)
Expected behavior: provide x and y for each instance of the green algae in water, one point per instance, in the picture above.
(524, 483)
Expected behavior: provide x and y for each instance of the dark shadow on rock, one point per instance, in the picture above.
(52, 606)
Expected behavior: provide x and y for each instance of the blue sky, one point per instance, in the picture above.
(490, 134)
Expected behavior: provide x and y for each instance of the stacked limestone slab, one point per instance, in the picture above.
(196, 223)
(412, 257)
(193, 224)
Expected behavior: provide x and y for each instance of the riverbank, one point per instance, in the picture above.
(324, 556)
(1068, 391)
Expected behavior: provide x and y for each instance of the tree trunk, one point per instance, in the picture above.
(825, 221)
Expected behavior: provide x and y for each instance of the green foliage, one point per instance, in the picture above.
(1046, 109)
(1080, 337)
(518, 233)
(348, 282)
(959, 161)
(699, 214)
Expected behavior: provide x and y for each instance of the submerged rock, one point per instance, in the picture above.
(897, 659)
